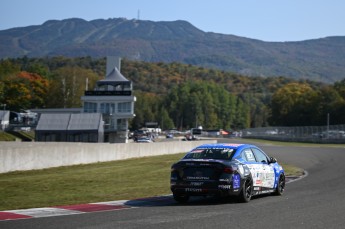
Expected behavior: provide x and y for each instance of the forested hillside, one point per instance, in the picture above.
(175, 95)
(178, 41)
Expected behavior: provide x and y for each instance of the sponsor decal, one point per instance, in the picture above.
(270, 176)
(258, 182)
(236, 181)
(257, 188)
(196, 183)
(197, 151)
(193, 189)
(197, 178)
(263, 175)
(224, 180)
(233, 145)
(224, 186)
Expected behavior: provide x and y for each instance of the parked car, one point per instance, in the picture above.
(190, 137)
(169, 135)
(239, 170)
(144, 140)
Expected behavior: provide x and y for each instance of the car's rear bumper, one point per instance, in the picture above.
(221, 190)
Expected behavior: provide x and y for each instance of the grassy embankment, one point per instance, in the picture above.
(6, 136)
(118, 180)
(17, 135)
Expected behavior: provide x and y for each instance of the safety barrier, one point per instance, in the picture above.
(313, 134)
(40, 155)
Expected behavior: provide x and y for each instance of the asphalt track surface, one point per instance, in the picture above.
(316, 201)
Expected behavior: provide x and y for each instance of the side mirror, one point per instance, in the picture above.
(272, 160)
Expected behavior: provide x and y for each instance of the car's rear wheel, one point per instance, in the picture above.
(281, 186)
(181, 198)
(247, 191)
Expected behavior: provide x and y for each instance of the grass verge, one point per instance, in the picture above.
(6, 137)
(117, 180)
(291, 170)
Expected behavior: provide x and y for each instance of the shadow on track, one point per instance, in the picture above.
(168, 200)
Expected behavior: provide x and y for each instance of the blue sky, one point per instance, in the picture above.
(267, 20)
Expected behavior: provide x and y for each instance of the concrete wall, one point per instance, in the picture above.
(39, 155)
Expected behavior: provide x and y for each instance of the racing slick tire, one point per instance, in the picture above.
(181, 198)
(281, 186)
(246, 192)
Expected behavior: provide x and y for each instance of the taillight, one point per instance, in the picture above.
(228, 170)
(173, 168)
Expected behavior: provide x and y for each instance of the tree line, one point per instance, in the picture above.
(175, 95)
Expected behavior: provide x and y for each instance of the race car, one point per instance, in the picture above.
(225, 170)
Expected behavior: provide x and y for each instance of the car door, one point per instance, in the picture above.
(265, 170)
(256, 169)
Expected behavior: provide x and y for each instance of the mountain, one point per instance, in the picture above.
(178, 41)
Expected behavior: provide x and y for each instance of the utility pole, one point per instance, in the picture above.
(327, 125)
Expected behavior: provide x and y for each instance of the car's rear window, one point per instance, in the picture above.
(211, 153)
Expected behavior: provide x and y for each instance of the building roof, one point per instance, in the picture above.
(85, 121)
(115, 76)
(82, 121)
(53, 122)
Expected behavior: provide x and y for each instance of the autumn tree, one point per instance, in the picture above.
(68, 85)
(193, 104)
(332, 103)
(294, 104)
(7, 68)
(24, 91)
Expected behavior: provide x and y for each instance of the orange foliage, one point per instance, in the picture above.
(33, 77)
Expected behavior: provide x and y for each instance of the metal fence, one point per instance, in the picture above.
(316, 134)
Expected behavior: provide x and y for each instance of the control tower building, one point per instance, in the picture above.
(113, 97)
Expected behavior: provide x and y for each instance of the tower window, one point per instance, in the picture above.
(124, 107)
